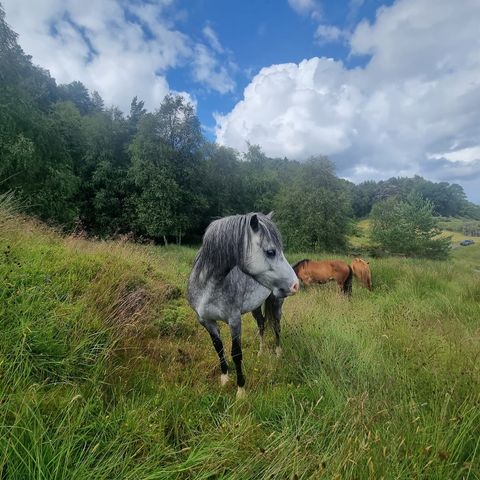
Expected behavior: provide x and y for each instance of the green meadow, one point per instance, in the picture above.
(105, 374)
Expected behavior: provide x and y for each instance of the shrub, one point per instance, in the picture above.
(408, 227)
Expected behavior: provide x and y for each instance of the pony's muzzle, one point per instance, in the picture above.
(283, 292)
(295, 288)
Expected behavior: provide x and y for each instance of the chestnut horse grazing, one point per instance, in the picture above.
(362, 273)
(323, 271)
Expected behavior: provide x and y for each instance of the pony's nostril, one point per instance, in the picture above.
(295, 287)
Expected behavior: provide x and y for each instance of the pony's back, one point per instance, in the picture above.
(361, 270)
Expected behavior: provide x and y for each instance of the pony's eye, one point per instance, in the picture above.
(270, 253)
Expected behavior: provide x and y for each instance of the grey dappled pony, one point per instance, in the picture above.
(239, 265)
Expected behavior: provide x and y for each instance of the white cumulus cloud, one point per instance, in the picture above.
(408, 110)
(121, 49)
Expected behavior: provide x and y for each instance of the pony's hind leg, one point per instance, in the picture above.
(277, 316)
(273, 314)
(214, 331)
(236, 331)
(258, 315)
(276, 328)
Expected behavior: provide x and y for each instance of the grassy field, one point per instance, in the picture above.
(105, 374)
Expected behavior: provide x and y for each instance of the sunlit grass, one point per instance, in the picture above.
(104, 372)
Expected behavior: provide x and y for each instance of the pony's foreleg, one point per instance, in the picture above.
(236, 331)
(214, 331)
(258, 315)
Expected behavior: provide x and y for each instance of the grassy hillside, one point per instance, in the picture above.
(105, 374)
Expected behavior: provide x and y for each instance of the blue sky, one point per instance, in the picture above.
(384, 88)
(262, 33)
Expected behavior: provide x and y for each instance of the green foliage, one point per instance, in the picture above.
(447, 199)
(471, 210)
(224, 182)
(164, 169)
(363, 198)
(34, 159)
(313, 211)
(106, 188)
(261, 180)
(77, 93)
(408, 227)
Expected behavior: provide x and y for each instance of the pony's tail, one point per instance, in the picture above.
(347, 286)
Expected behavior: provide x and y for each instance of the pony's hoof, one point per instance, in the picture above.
(241, 392)
(223, 379)
(278, 351)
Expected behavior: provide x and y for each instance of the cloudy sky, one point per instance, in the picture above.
(384, 88)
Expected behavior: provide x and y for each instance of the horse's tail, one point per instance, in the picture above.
(347, 285)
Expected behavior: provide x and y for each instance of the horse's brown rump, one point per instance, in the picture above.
(323, 271)
(361, 270)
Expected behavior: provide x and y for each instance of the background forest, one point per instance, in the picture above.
(78, 164)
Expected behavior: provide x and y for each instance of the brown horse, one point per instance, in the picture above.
(322, 271)
(362, 273)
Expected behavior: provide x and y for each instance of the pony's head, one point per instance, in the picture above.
(252, 243)
(264, 259)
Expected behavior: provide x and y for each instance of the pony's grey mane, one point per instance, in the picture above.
(224, 245)
(301, 262)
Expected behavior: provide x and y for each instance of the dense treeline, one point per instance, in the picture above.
(79, 164)
(447, 199)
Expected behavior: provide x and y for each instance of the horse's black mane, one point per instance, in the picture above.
(224, 244)
(305, 260)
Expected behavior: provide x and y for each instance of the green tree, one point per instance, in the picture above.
(314, 210)
(137, 112)
(363, 197)
(222, 182)
(77, 93)
(261, 179)
(165, 169)
(408, 227)
(97, 102)
(105, 184)
(35, 161)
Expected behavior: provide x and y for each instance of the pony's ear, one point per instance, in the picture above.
(254, 222)
(270, 215)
